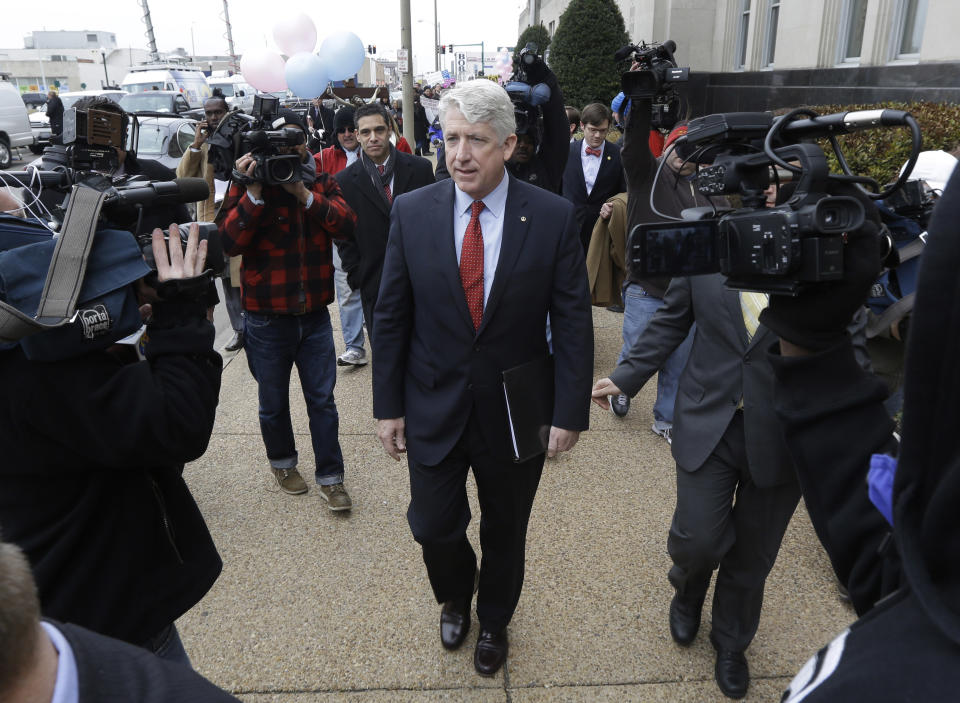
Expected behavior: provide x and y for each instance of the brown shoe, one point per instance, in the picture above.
(290, 481)
(336, 496)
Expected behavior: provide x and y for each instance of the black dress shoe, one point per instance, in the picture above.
(491, 652)
(236, 344)
(454, 622)
(733, 676)
(684, 619)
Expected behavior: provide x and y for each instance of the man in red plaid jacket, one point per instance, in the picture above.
(284, 234)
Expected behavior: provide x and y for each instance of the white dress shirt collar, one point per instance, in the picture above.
(67, 687)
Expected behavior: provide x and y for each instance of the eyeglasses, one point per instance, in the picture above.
(341, 130)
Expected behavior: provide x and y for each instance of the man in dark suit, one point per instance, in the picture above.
(472, 268)
(728, 445)
(369, 186)
(593, 173)
(55, 114)
(43, 661)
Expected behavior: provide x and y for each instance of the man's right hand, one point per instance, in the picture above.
(200, 136)
(602, 390)
(246, 165)
(391, 434)
(606, 210)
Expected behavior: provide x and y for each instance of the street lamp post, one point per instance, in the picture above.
(106, 78)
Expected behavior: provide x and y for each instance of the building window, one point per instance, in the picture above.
(911, 17)
(771, 48)
(744, 25)
(92, 38)
(851, 31)
(553, 26)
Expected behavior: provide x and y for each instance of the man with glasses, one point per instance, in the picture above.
(196, 164)
(593, 173)
(332, 160)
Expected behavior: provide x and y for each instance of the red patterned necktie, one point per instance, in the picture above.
(471, 264)
(386, 186)
(594, 152)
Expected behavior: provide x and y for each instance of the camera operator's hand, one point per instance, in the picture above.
(817, 319)
(200, 136)
(297, 190)
(246, 165)
(181, 264)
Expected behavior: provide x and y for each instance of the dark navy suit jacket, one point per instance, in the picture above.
(431, 367)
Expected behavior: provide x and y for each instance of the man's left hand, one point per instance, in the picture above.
(561, 441)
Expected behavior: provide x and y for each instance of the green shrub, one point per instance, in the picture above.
(879, 153)
(581, 53)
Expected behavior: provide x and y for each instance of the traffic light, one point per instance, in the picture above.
(451, 48)
(371, 48)
(442, 49)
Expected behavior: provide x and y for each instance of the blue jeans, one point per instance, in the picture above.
(638, 308)
(351, 310)
(274, 343)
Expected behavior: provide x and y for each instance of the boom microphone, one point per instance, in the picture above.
(844, 123)
(180, 190)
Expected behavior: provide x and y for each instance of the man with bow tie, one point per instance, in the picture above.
(594, 173)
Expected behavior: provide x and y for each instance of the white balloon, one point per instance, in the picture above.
(264, 69)
(295, 34)
(342, 53)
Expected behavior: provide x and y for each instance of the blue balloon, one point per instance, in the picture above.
(306, 75)
(342, 53)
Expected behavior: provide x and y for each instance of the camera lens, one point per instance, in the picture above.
(281, 171)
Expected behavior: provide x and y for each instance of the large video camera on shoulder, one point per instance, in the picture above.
(656, 78)
(256, 134)
(90, 140)
(527, 95)
(782, 249)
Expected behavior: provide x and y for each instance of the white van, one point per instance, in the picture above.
(189, 81)
(15, 130)
(238, 93)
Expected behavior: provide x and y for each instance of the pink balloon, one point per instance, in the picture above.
(264, 70)
(295, 34)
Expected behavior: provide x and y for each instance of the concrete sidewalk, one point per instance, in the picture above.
(318, 606)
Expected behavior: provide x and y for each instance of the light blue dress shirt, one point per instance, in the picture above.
(67, 687)
(491, 224)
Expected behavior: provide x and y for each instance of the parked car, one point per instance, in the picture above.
(166, 101)
(40, 123)
(34, 100)
(15, 130)
(165, 138)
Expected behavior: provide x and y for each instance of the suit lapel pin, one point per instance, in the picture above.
(523, 218)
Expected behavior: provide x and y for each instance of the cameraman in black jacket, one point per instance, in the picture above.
(91, 474)
(542, 164)
(874, 503)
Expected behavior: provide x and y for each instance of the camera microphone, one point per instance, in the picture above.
(624, 52)
(844, 123)
(181, 190)
(669, 46)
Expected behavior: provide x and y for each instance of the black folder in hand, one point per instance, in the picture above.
(528, 390)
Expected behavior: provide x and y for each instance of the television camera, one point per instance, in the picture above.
(528, 95)
(257, 134)
(656, 79)
(774, 250)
